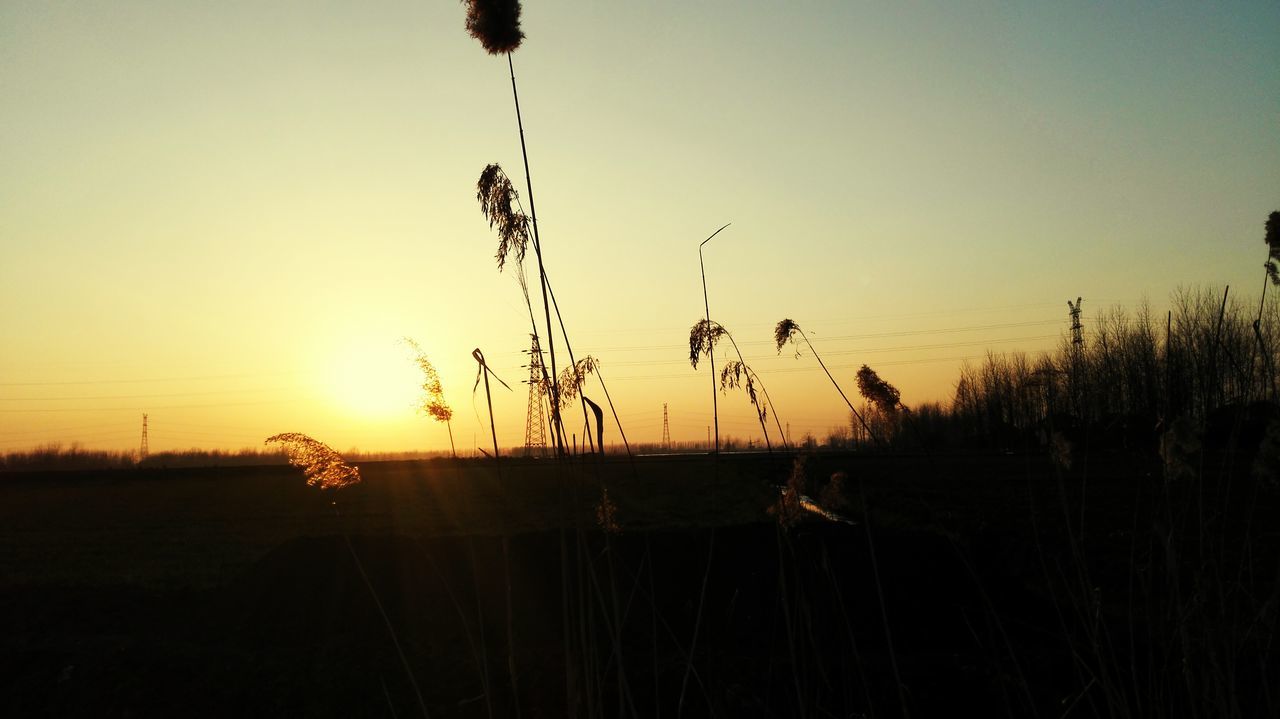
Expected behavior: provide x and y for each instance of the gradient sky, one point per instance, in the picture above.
(225, 214)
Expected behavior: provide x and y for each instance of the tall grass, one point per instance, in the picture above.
(703, 337)
(785, 332)
(326, 469)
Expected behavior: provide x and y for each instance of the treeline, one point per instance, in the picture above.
(59, 457)
(1123, 379)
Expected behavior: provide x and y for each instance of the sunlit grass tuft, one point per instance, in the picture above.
(324, 468)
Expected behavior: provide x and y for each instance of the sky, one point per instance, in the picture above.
(227, 214)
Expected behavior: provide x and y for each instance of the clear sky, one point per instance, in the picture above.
(225, 214)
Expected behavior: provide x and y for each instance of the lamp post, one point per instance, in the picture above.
(715, 410)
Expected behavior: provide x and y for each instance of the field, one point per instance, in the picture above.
(999, 583)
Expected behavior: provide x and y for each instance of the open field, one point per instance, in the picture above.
(993, 582)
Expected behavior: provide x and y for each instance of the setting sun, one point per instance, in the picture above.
(373, 380)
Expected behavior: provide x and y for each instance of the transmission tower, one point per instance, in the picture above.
(1077, 337)
(145, 448)
(535, 423)
(1076, 378)
(666, 428)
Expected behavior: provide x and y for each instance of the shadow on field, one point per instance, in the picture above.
(791, 621)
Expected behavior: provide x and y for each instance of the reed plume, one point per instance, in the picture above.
(432, 402)
(877, 391)
(703, 337)
(498, 202)
(495, 23)
(1272, 237)
(323, 467)
(574, 376)
(735, 374)
(607, 513)
(785, 331)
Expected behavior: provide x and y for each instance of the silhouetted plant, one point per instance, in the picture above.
(323, 467)
(574, 376)
(483, 372)
(499, 203)
(496, 24)
(432, 401)
(877, 391)
(785, 331)
(703, 337)
(607, 513)
(1272, 238)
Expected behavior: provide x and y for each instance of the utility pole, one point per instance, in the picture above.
(666, 428)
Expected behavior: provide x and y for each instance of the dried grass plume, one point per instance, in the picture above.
(573, 377)
(702, 337)
(877, 391)
(323, 466)
(495, 23)
(432, 402)
(498, 200)
(785, 332)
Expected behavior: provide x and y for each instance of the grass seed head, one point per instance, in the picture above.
(573, 377)
(877, 391)
(785, 332)
(495, 23)
(1273, 235)
(702, 337)
(607, 513)
(789, 508)
(323, 467)
(432, 402)
(498, 199)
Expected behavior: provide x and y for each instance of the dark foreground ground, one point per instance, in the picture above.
(967, 585)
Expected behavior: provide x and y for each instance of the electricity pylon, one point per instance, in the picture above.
(145, 449)
(666, 428)
(535, 423)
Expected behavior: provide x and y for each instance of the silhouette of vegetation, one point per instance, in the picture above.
(879, 392)
(496, 24)
(703, 337)
(785, 331)
(499, 204)
(1135, 377)
(1272, 238)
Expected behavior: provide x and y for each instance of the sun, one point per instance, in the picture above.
(374, 380)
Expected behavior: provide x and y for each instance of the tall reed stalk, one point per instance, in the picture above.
(496, 24)
(703, 337)
(325, 468)
(786, 331)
